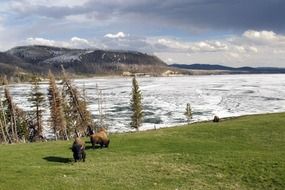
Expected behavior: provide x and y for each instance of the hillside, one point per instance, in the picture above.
(39, 59)
(241, 153)
(230, 70)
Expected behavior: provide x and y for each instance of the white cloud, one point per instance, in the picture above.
(211, 46)
(260, 35)
(48, 3)
(252, 48)
(173, 44)
(80, 18)
(278, 51)
(170, 60)
(74, 42)
(118, 35)
(179, 46)
(239, 50)
(81, 43)
(263, 38)
(234, 55)
(79, 40)
(68, 3)
(40, 41)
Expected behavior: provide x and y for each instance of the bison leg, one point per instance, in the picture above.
(107, 143)
(101, 144)
(74, 157)
(83, 156)
(93, 144)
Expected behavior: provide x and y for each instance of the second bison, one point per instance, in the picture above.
(100, 139)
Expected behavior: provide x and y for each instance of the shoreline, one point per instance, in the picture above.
(222, 119)
(111, 76)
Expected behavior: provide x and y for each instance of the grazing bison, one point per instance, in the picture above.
(100, 138)
(216, 119)
(78, 149)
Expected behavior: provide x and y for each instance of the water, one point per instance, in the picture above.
(165, 98)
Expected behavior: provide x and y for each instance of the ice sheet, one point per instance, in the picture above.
(165, 98)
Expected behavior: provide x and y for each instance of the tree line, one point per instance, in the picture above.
(69, 116)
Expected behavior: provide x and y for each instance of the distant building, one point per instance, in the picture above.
(169, 73)
(126, 73)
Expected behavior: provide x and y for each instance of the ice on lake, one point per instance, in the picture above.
(165, 98)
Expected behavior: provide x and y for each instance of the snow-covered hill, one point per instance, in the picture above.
(80, 61)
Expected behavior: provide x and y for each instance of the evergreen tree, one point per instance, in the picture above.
(38, 101)
(136, 105)
(22, 124)
(188, 112)
(58, 122)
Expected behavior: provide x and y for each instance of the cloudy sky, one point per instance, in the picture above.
(227, 32)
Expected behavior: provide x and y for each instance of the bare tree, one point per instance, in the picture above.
(12, 115)
(75, 107)
(58, 122)
(101, 109)
(2, 121)
(13, 120)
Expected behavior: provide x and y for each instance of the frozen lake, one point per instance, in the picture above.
(165, 98)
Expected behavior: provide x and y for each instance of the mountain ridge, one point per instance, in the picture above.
(41, 59)
(230, 70)
(38, 59)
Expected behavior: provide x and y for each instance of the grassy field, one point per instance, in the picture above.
(240, 153)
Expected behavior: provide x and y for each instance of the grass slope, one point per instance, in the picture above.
(240, 153)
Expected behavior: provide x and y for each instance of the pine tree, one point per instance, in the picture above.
(136, 105)
(188, 112)
(58, 122)
(22, 124)
(38, 101)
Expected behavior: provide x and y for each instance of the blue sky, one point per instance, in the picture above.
(228, 32)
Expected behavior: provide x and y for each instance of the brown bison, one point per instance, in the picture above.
(78, 149)
(100, 139)
(216, 119)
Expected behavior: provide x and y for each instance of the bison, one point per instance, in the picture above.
(216, 119)
(100, 138)
(78, 149)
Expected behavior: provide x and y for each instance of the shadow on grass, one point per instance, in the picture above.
(57, 159)
(88, 147)
(96, 147)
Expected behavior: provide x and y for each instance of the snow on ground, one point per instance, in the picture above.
(165, 98)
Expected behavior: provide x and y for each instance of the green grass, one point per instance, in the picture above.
(240, 153)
